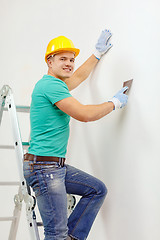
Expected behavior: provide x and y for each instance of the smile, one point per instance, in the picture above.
(67, 69)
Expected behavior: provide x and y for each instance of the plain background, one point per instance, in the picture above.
(122, 149)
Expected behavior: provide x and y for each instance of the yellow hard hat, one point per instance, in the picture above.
(60, 44)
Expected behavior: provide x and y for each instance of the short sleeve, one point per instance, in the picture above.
(56, 91)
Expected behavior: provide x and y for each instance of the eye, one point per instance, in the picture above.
(72, 60)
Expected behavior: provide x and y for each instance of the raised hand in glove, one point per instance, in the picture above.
(103, 44)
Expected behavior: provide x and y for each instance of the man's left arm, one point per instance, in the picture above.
(87, 67)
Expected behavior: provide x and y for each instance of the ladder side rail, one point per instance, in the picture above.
(3, 94)
(2, 104)
(17, 137)
(19, 152)
(16, 217)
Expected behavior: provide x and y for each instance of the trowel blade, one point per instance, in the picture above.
(127, 84)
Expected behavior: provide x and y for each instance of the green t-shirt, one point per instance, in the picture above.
(49, 125)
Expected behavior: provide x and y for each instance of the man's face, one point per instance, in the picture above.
(61, 65)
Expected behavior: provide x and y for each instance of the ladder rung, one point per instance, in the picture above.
(7, 218)
(23, 108)
(6, 147)
(9, 183)
(12, 147)
(25, 143)
(20, 109)
(39, 224)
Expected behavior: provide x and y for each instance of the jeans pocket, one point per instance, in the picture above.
(33, 181)
(31, 178)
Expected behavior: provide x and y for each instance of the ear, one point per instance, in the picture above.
(49, 62)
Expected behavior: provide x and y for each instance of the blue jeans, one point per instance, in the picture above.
(51, 183)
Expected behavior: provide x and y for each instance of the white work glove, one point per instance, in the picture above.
(103, 44)
(120, 99)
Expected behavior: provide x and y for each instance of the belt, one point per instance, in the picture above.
(35, 158)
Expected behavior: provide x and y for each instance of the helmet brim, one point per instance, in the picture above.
(74, 50)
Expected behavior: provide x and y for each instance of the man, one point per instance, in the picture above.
(44, 167)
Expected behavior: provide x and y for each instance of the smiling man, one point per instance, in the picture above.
(62, 65)
(45, 168)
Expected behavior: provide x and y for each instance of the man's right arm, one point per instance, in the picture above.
(84, 113)
(88, 113)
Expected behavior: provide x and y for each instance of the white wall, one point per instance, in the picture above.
(121, 149)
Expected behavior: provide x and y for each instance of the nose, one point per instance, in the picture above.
(68, 63)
